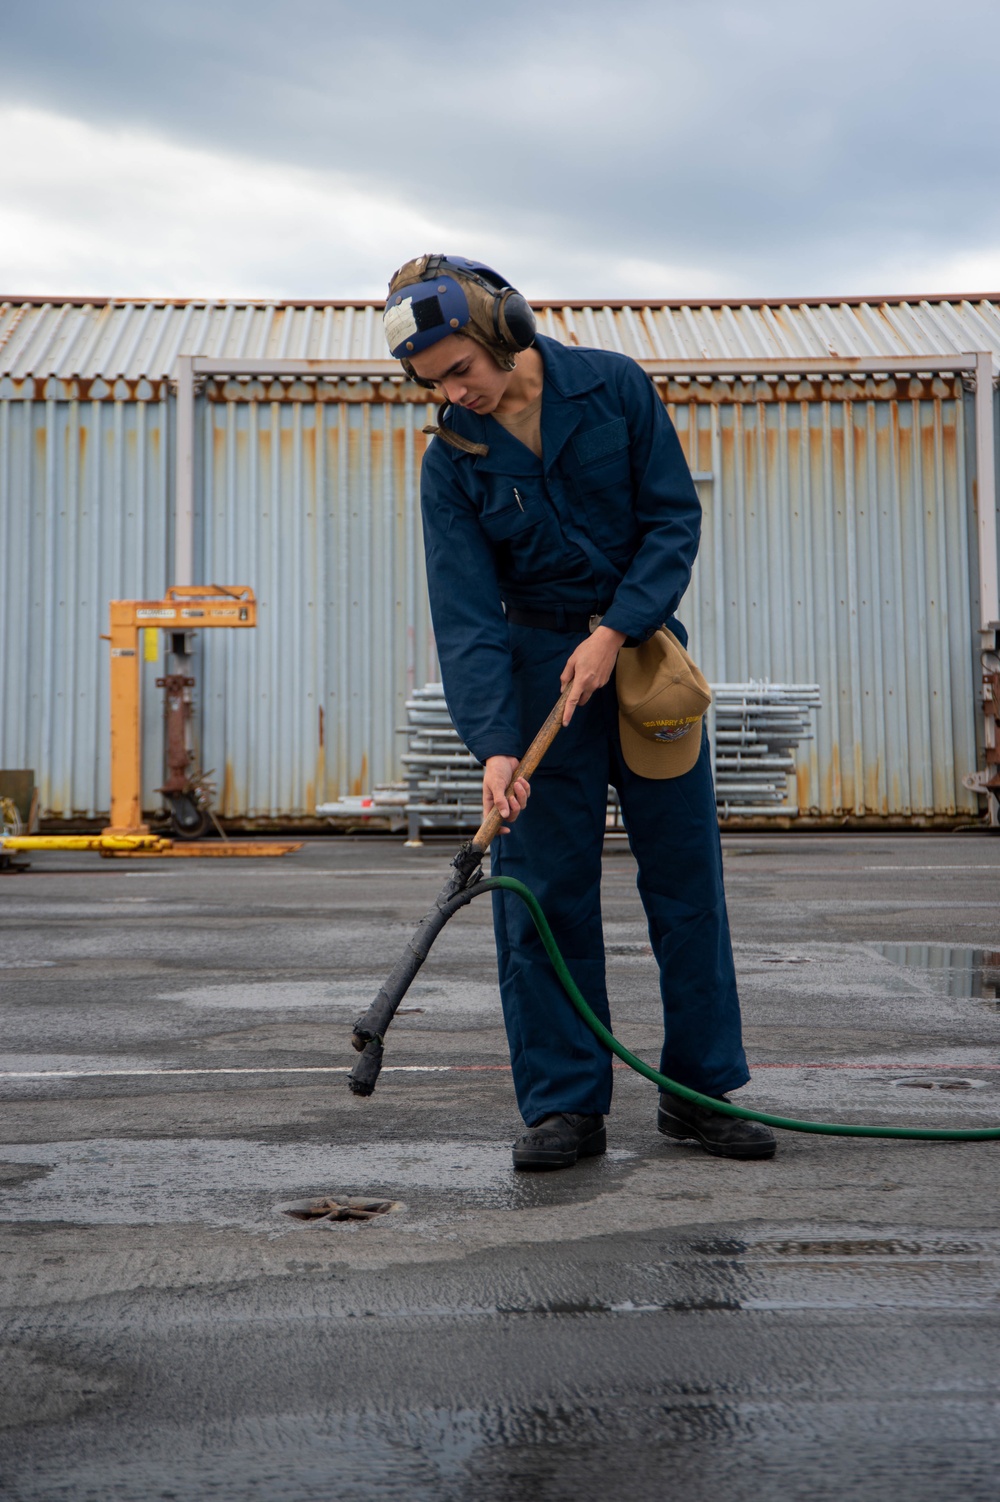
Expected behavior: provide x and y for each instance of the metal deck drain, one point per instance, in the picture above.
(942, 1082)
(330, 1209)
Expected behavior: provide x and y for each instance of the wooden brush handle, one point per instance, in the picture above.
(490, 827)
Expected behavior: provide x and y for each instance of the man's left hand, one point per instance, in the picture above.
(590, 667)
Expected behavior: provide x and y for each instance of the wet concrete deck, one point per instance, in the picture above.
(824, 1325)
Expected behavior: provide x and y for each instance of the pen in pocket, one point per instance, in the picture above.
(517, 497)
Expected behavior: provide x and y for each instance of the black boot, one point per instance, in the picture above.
(723, 1136)
(557, 1142)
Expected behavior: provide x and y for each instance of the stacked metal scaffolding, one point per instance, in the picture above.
(757, 728)
(443, 779)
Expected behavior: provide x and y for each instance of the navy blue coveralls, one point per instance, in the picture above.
(606, 523)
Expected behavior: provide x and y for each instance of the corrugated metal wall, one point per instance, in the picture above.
(315, 504)
(80, 338)
(84, 506)
(836, 550)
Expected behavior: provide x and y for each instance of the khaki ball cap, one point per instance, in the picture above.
(662, 699)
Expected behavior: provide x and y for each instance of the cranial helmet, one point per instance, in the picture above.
(437, 295)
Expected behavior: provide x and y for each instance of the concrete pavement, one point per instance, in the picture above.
(823, 1325)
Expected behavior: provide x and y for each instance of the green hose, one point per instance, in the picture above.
(725, 1108)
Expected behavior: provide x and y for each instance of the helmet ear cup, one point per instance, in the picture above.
(513, 320)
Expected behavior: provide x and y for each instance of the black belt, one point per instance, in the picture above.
(556, 620)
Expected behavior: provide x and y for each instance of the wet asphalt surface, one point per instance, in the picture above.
(657, 1322)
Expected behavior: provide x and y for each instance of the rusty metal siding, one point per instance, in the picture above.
(836, 550)
(313, 504)
(316, 505)
(84, 502)
(80, 341)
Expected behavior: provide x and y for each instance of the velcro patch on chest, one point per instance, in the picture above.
(598, 443)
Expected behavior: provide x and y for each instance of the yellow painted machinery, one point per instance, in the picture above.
(188, 607)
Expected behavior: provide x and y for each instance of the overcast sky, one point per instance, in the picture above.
(682, 148)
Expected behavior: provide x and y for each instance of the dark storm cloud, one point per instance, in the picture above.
(778, 146)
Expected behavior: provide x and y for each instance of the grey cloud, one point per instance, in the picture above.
(777, 146)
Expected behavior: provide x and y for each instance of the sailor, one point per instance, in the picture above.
(561, 524)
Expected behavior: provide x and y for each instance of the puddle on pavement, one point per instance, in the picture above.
(817, 1270)
(967, 973)
(222, 1182)
(942, 1082)
(546, 1440)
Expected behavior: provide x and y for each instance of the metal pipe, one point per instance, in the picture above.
(986, 495)
(184, 477)
(785, 365)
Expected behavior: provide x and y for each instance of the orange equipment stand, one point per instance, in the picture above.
(187, 607)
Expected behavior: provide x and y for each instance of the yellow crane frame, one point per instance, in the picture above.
(185, 607)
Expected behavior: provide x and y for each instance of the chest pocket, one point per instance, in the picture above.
(504, 523)
(525, 543)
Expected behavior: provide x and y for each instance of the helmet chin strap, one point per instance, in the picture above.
(456, 440)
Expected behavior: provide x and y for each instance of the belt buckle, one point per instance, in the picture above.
(594, 622)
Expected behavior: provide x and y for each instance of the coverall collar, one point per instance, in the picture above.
(568, 374)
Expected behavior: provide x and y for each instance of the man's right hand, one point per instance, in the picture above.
(496, 775)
